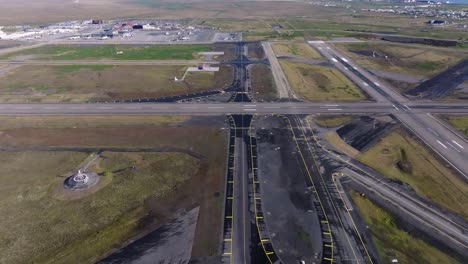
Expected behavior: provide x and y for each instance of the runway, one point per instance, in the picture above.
(107, 62)
(450, 146)
(223, 108)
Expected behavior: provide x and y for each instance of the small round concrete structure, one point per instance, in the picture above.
(81, 181)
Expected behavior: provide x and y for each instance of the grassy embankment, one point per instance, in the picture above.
(403, 159)
(296, 49)
(128, 203)
(459, 122)
(332, 120)
(263, 84)
(393, 242)
(402, 58)
(101, 82)
(74, 52)
(318, 83)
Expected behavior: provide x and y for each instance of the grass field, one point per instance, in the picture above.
(117, 211)
(332, 120)
(148, 52)
(405, 59)
(318, 83)
(460, 122)
(336, 141)
(78, 83)
(393, 242)
(62, 231)
(270, 35)
(427, 176)
(296, 49)
(263, 84)
(58, 121)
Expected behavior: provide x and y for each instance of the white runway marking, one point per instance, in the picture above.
(457, 144)
(441, 144)
(448, 143)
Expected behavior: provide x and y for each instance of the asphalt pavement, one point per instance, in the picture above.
(107, 62)
(452, 148)
(417, 109)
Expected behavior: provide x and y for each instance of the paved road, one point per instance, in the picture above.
(417, 109)
(241, 216)
(422, 214)
(282, 84)
(106, 62)
(449, 145)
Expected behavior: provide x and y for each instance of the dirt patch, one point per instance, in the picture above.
(443, 83)
(263, 84)
(255, 51)
(230, 51)
(364, 131)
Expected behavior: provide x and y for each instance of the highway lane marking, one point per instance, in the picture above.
(376, 83)
(344, 59)
(346, 68)
(335, 60)
(329, 48)
(355, 68)
(250, 109)
(395, 107)
(331, 105)
(407, 107)
(441, 144)
(448, 143)
(299, 107)
(23, 107)
(334, 109)
(51, 108)
(215, 107)
(457, 144)
(250, 105)
(271, 107)
(105, 107)
(190, 107)
(432, 131)
(365, 84)
(77, 107)
(132, 107)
